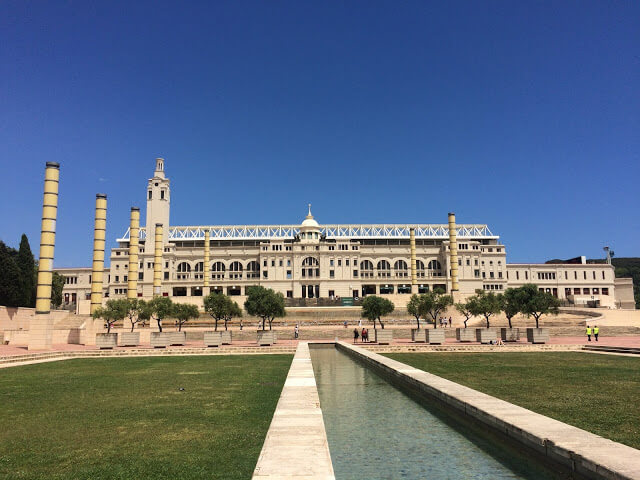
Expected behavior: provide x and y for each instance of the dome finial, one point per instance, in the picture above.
(309, 215)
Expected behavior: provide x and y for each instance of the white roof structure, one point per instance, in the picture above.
(345, 231)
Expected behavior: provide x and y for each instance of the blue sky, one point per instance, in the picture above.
(523, 116)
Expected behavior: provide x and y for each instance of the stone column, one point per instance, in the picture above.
(453, 252)
(99, 229)
(207, 252)
(157, 261)
(134, 250)
(414, 276)
(41, 326)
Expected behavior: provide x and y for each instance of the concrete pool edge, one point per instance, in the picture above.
(296, 445)
(583, 452)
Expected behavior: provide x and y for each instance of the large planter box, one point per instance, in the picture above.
(485, 335)
(177, 338)
(159, 339)
(383, 337)
(129, 339)
(465, 334)
(510, 334)
(435, 336)
(418, 335)
(537, 335)
(106, 340)
(212, 339)
(226, 337)
(266, 337)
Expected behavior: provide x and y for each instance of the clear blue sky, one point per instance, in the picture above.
(521, 115)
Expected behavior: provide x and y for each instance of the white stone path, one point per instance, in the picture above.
(296, 445)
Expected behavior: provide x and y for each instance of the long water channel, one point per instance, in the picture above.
(376, 431)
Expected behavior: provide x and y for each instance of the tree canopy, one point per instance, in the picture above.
(184, 312)
(221, 307)
(484, 304)
(536, 303)
(374, 308)
(264, 303)
(113, 311)
(434, 303)
(463, 309)
(414, 307)
(511, 303)
(161, 308)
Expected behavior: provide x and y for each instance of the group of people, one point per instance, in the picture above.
(592, 331)
(444, 321)
(364, 336)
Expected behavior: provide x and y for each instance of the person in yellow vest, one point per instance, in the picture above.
(596, 330)
(589, 332)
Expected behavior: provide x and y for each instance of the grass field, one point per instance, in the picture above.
(598, 393)
(127, 418)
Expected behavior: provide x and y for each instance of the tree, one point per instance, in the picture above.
(434, 303)
(414, 307)
(264, 303)
(57, 284)
(511, 303)
(26, 264)
(161, 308)
(145, 312)
(10, 277)
(184, 312)
(536, 303)
(463, 309)
(134, 308)
(113, 311)
(216, 305)
(374, 307)
(484, 304)
(234, 310)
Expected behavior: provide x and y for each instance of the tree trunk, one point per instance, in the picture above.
(509, 320)
(179, 326)
(487, 318)
(225, 324)
(374, 323)
(216, 326)
(465, 323)
(132, 325)
(270, 320)
(108, 327)
(537, 318)
(159, 324)
(381, 324)
(418, 320)
(263, 320)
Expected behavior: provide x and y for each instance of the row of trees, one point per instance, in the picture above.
(528, 300)
(18, 277)
(261, 302)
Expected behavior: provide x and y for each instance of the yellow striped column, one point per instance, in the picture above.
(414, 276)
(99, 231)
(47, 237)
(134, 250)
(41, 325)
(207, 253)
(157, 261)
(453, 252)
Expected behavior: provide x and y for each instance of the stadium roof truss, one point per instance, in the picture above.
(280, 232)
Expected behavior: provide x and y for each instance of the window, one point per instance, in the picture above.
(603, 274)
(585, 291)
(605, 291)
(468, 262)
(332, 247)
(355, 273)
(594, 274)
(490, 274)
(576, 291)
(289, 293)
(332, 293)
(585, 274)
(575, 275)
(125, 278)
(149, 194)
(161, 194)
(354, 247)
(289, 274)
(517, 275)
(288, 263)
(265, 274)
(526, 275)
(331, 263)
(140, 276)
(596, 291)
(476, 273)
(565, 275)
(332, 274)
(273, 263)
(280, 263)
(117, 278)
(166, 264)
(475, 262)
(499, 274)
(264, 263)
(166, 275)
(340, 262)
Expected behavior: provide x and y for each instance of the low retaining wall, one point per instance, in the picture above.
(580, 451)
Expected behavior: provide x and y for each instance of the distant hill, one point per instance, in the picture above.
(628, 267)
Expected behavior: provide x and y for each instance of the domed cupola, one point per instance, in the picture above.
(309, 229)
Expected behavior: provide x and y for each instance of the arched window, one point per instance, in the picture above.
(384, 268)
(184, 267)
(235, 270)
(401, 268)
(310, 262)
(217, 270)
(435, 269)
(366, 269)
(253, 269)
(420, 268)
(199, 267)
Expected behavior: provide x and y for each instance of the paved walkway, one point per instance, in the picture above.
(296, 445)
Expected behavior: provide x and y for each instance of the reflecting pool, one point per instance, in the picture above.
(376, 431)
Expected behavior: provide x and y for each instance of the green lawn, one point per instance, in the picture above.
(126, 418)
(598, 393)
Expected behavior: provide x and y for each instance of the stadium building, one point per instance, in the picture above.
(315, 264)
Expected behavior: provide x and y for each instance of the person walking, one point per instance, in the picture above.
(596, 330)
(296, 332)
(589, 332)
(355, 335)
